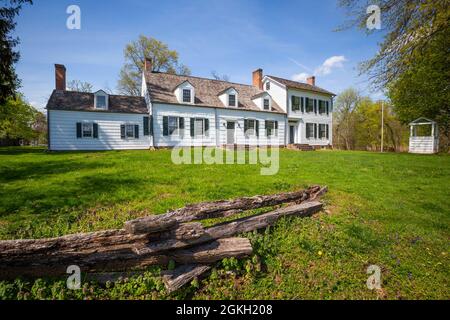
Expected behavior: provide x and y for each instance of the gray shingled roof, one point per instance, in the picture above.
(207, 91)
(300, 85)
(82, 101)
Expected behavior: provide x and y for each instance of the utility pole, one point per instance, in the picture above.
(382, 125)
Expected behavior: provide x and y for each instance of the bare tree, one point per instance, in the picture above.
(345, 120)
(79, 86)
(217, 76)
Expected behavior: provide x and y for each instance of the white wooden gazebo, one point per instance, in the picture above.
(423, 140)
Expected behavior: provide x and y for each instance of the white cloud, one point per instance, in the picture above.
(301, 77)
(329, 64)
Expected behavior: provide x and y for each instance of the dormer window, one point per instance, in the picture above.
(187, 95)
(266, 104)
(185, 92)
(232, 100)
(101, 100)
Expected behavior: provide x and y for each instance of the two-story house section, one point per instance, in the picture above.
(177, 110)
(309, 110)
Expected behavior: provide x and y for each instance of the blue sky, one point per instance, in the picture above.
(286, 38)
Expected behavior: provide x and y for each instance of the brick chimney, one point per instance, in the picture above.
(60, 77)
(148, 64)
(257, 78)
(311, 80)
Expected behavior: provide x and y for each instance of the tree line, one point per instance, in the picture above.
(357, 124)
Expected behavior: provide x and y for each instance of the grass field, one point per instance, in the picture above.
(388, 209)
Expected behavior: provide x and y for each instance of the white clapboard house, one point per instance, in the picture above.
(176, 110)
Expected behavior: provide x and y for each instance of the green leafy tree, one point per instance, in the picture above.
(20, 121)
(424, 90)
(8, 56)
(163, 60)
(413, 60)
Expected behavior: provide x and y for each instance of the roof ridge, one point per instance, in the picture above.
(301, 83)
(204, 78)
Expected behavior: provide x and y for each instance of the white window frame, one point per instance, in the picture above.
(306, 105)
(175, 132)
(190, 95)
(324, 132)
(235, 100)
(203, 133)
(273, 129)
(313, 131)
(91, 125)
(251, 133)
(132, 125)
(100, 94)
(270, 103)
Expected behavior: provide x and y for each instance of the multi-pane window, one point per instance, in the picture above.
(173, 125)
(266, 104)
(129, 130)
(199, 127)
(310, 132)
(232, 100)
(187, 95)
(322, 131)
(271, 127)
(250, 130)
(295, 103)
(309, 105)
(322, 107)
(267, 85)
(87, 129)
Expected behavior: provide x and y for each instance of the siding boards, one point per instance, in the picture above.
(63, 131)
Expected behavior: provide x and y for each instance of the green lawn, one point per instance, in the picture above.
(388, 209)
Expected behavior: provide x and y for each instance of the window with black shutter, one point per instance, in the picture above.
(87, 130)
(322, 130)
(145, 126)
(95, 130)
(328, 131)
(315, 106)
(136, 131)
(122, 131)
(151, 125)
(315, 130)
(257, 128)
(303, 104)
(309, 105)
(309, 130)
(271, 128)
(78, 130)
(328, 108)
(295, 103)
(165, 126)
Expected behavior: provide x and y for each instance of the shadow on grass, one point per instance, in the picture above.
(83, 192)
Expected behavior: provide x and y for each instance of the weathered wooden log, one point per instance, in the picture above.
(100, 241)
(175, 279)
(112, 240)
(87, 242)
(232, 228)
(29, 266)
(206, 210)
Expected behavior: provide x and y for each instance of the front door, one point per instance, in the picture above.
(291, 134)
(230, 132)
